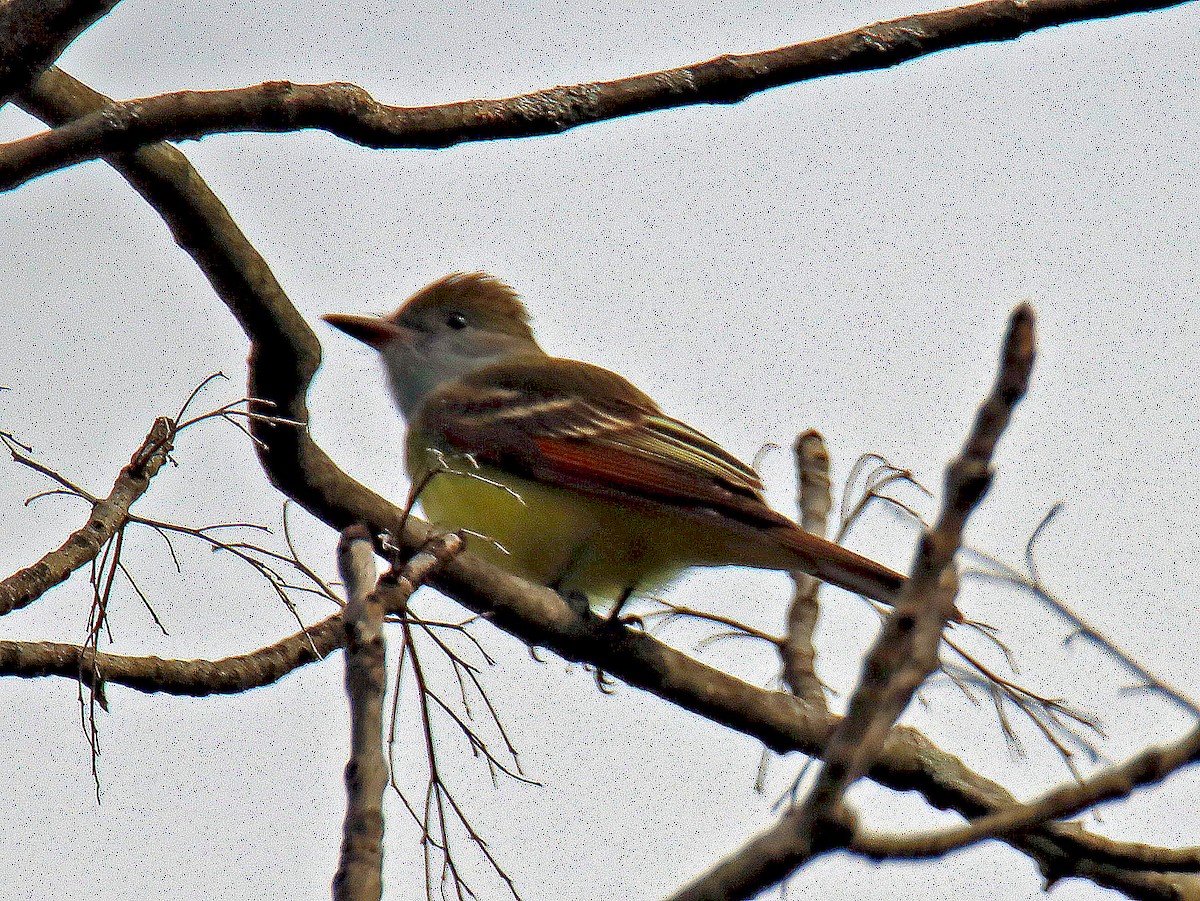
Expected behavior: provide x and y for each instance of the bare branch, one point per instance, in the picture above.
(1058, 722)
(1146, 768)
(815, 501)
(196, 678)
(108, 516)
(360, 869)
(350, 112)
(34, 33)
(191, 678)
(1032, 583)
(907, 650)
(905, 654)
(284, 355)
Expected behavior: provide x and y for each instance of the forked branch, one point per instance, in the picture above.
(1146, 768)
(905, 654)
(108, 517)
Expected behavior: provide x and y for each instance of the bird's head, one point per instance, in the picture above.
(447, 329)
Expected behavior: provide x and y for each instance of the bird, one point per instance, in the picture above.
(564, 473)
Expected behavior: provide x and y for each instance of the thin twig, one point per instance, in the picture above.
(671, 612)
(1032, 583)
(440, 809)
(108, 516)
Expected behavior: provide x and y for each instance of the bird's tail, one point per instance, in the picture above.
(840, 566)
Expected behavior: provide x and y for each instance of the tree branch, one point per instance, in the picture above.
(283, 358)
(360, 870)
(34, 33)
(108, 516)
(359, 874)
(1146, 768)
(189, 678)
(905, 654)
(351, 113)
(815, 501)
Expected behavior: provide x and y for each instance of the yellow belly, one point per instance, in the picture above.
(573, 541)
(551, 536)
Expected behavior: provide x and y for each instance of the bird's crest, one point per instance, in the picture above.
(482, 297)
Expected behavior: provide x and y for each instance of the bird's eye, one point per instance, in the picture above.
(456, 321)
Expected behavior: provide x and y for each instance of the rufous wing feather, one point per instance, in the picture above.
(576, 426)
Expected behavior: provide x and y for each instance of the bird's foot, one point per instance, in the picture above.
(580, 605)
(630, 620)
(615, 620)
(604, 682)
(577, 602)
(390, 550)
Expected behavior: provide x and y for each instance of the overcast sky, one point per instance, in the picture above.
(840, 254)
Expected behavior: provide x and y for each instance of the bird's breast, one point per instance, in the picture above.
(543, 533)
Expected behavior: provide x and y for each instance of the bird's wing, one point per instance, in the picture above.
(574, 425)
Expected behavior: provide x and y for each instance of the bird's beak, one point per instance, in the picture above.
(370, 330)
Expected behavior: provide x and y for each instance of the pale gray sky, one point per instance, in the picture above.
(840, 254)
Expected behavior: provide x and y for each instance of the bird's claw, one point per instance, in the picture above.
(603, 682)
(629, 620)
(577, 602)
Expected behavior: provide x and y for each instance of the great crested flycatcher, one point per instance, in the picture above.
(565, 473)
